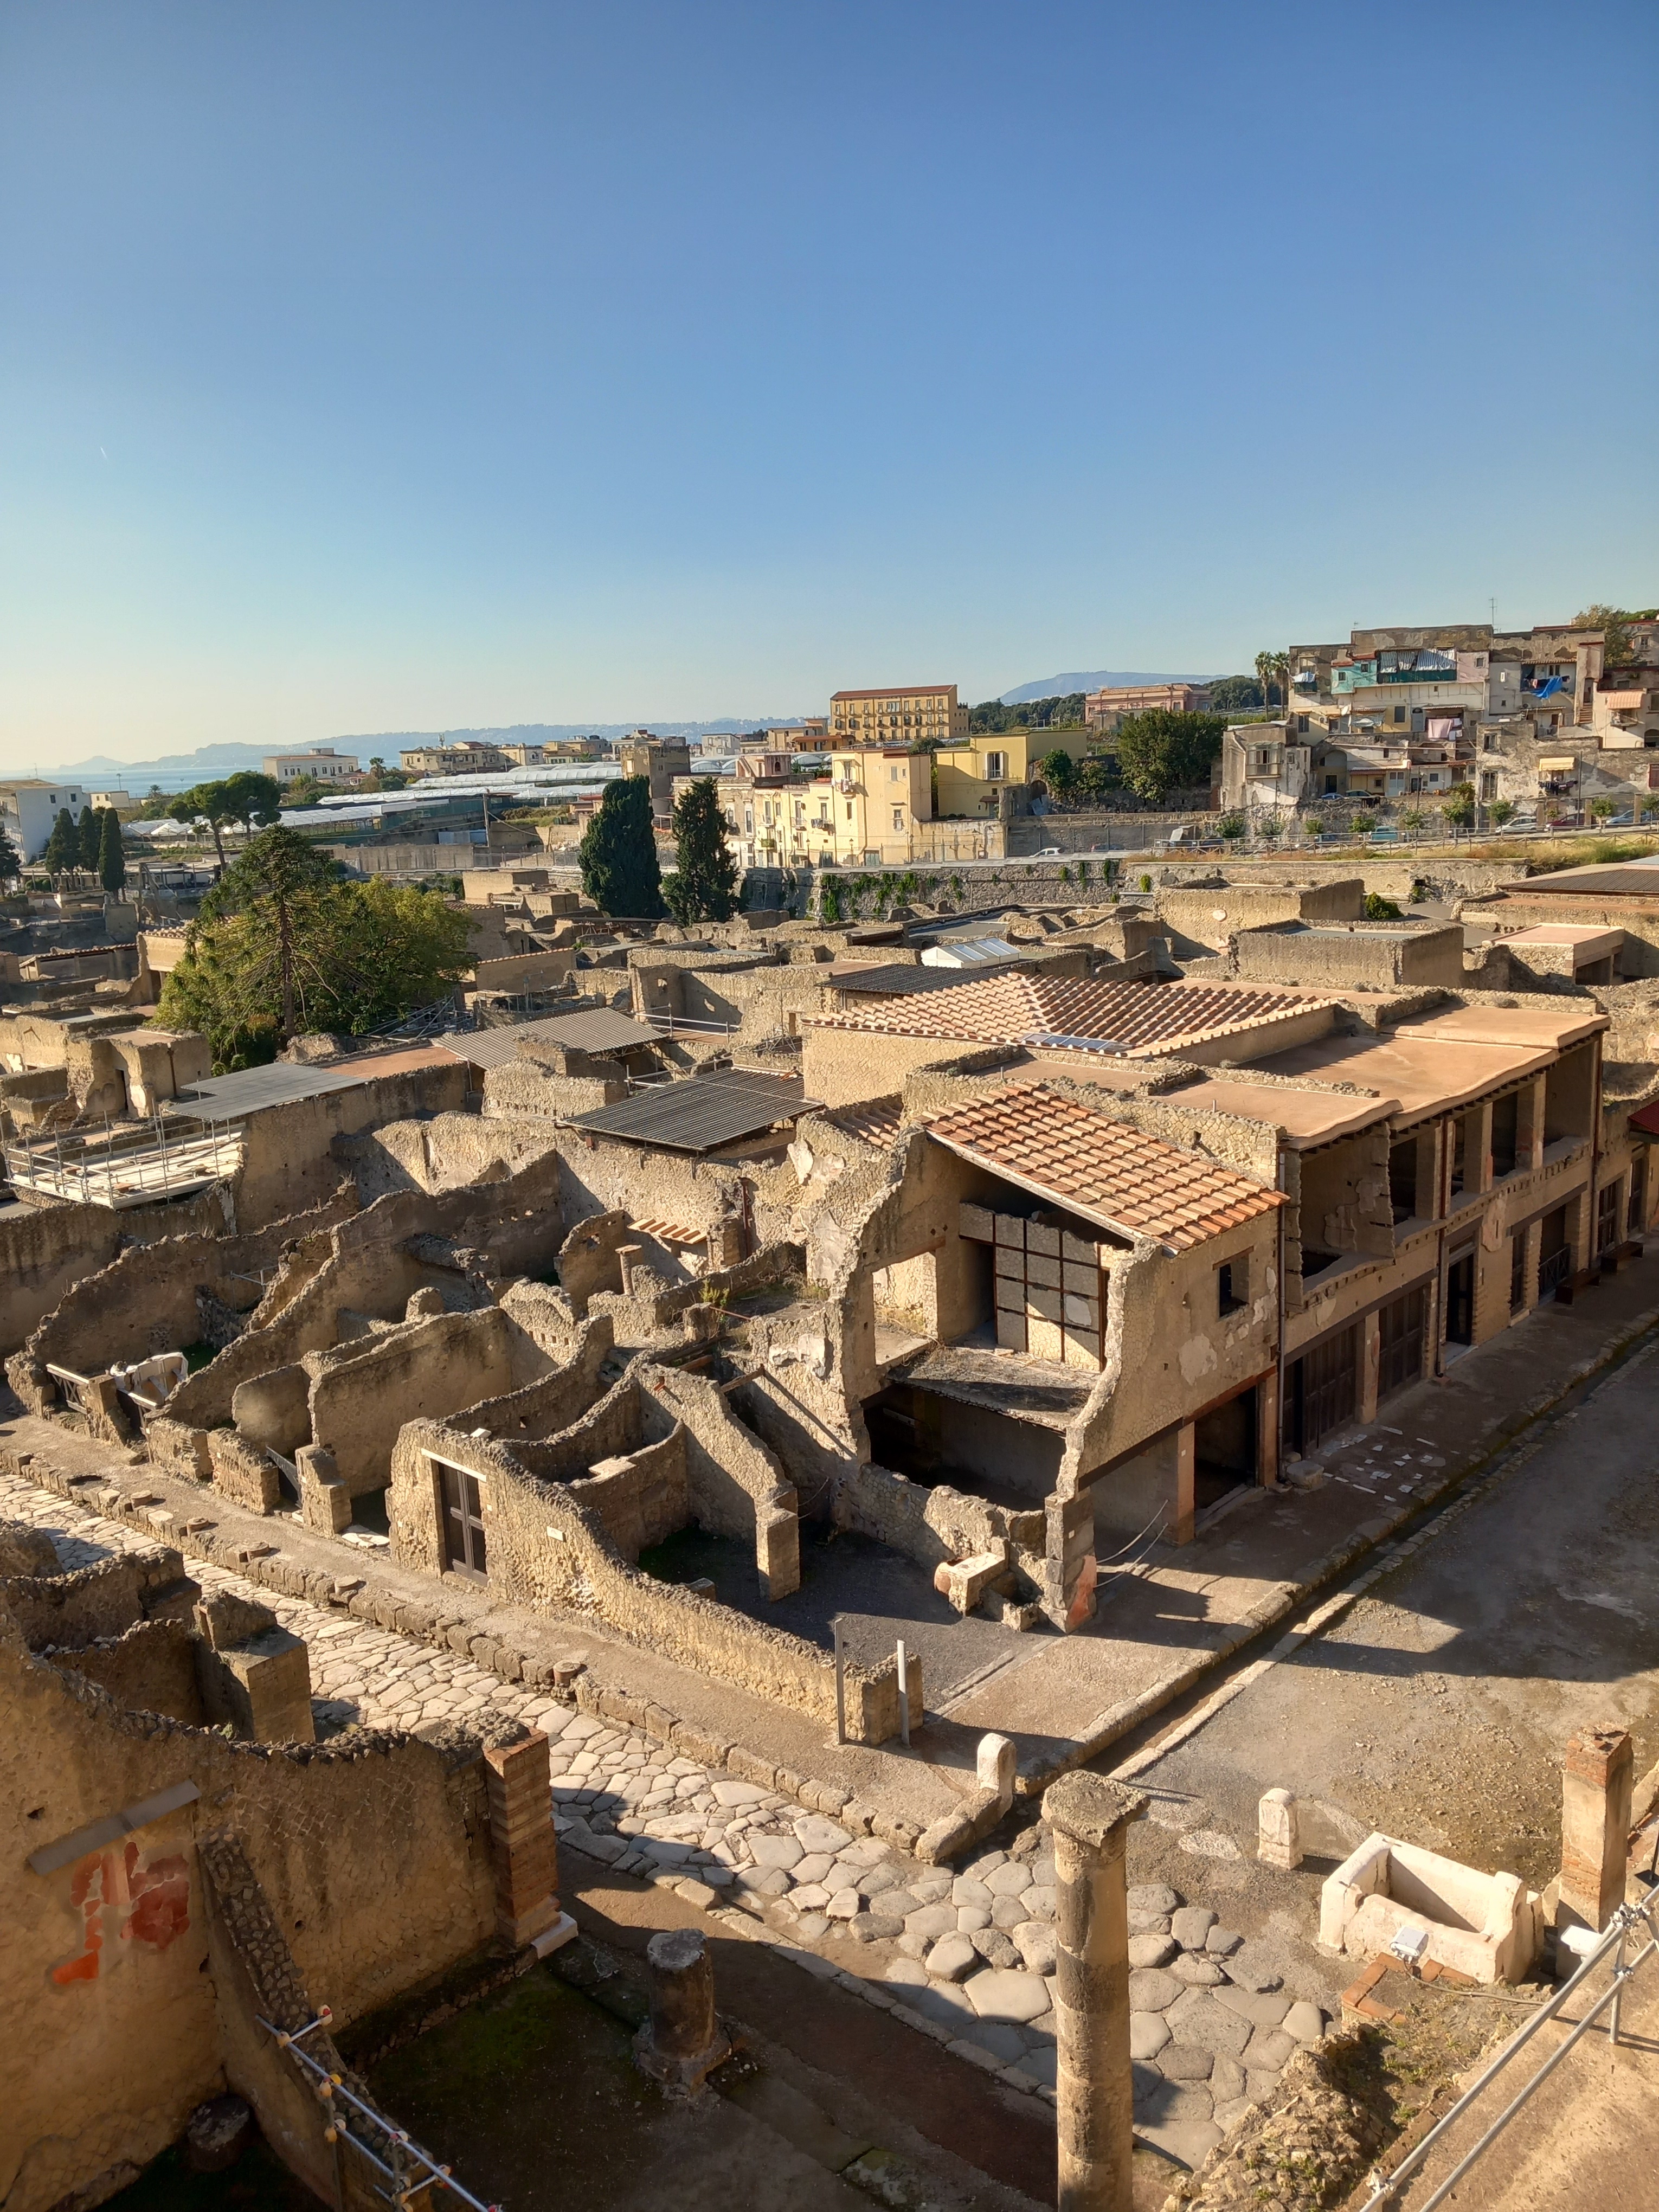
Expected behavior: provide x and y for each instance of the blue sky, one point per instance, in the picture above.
(394, 366)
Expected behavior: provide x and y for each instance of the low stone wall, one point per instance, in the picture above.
(104, 1599)
(929, 1525)
(547, 1552)
(642, 1499)
(151, 1667)
(607, 1431)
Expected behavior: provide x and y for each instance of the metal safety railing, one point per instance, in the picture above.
(405, 2171)
(161, 1158)
(1613, 1942)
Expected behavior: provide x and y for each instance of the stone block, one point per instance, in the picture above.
(262, 1687)
(1276, 1844)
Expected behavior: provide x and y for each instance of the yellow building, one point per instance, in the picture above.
(907, 714)
(870, 811)
(973, 776)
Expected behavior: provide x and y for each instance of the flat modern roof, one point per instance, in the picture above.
(1415, 1074)
(700, 1113)
(222, 1098)
(596, 1028)
(1618, 879)
(1304, 1118)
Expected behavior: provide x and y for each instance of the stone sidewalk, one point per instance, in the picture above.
(1163, 1626)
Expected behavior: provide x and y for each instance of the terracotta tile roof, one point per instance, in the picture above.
(1105, 1169)
(1142, 1018)
(877, 1120)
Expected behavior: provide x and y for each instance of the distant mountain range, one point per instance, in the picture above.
(178, 771)
(1091, 680)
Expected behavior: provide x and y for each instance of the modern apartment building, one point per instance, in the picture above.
(990, 775)
(871, 809)
(470, 757)
(29, 807)
(1105, 708)
(321, 761)
(907, 714)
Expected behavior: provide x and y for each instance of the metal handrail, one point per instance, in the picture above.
(1615, 1937)
(405, 2151)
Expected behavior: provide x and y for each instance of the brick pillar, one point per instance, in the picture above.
(1186, 1484)
(1530, 1126)
(521, 1839)
(1094, 2103)
(1069, 1597)
(1596, 1794)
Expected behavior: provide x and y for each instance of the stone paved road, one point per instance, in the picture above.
(970, 1950)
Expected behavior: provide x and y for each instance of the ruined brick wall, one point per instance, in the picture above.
(424, 1371)
(549, 1553)
(557, 1399)
(929, 1524)
(288, 1162)
(641, 1501)
(145, 1301)
(151, 1667)
(46, 1250)
(372, 1854)
(103, 1599)
(609, 1428)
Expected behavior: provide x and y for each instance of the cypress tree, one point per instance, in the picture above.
(618, 852)
(62, 850)
(90, 833)
(704, 884)
(111, 855)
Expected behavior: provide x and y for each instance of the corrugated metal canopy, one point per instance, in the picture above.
(597, 1028)
(700, 1113)
(251, 1088)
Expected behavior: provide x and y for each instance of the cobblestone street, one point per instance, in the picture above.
(966, 1953)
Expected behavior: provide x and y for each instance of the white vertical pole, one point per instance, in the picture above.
(841, 1682)
(902, 1657)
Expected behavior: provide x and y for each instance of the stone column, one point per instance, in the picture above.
(683, 2041)
(1090, 1816)
(1267, 1427)
(1595, 1798)
(523, 1847)
(1186, 1484)
(1370, 1362)
(1529, 1126)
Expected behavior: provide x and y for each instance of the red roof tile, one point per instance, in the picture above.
(1142, 1018)
(1107, 1171)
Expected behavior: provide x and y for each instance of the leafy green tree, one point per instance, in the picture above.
(279, 882)
(280, 946)
(1097, 777)
(1414, 820)
(1500, 812)
(1233, 694)
(112, 854)
(1058, 771)
(247, 798)
(62, 850)
(1063, 710)
(1459, 806)
(704, 884)
(1230, 826)
(1617, 651)
(1159, 751)
(618, 852)
(254, 800)
(1269, 828)
(11, 861)
(1378, 908)
(89, 830)
(1603, 809)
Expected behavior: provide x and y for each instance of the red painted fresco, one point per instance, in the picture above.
(122, 1895)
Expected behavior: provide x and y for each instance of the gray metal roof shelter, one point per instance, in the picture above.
(700, 1113)
(596, 1028)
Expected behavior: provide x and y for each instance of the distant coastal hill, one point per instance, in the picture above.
(1091, 680)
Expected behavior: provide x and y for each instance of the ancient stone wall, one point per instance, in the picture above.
(46, 1250)
(288, 1162)
(374, 1855)
(547, 1552)
(145, 1301)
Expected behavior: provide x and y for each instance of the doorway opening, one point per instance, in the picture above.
(1223, 1449)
